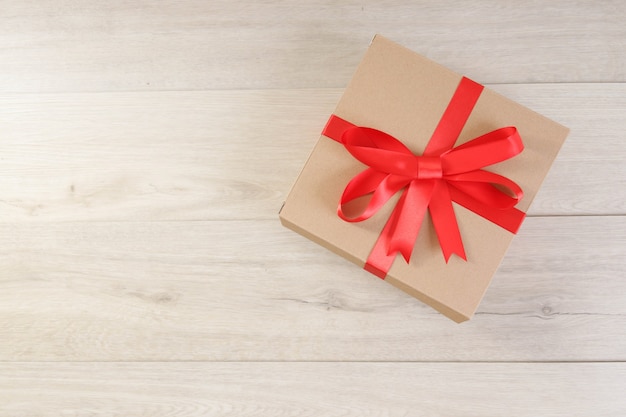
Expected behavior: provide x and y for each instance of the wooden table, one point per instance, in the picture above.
(146, 147)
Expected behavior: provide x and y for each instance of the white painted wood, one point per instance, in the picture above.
(252, 290)
(313, 389)
(185, 44)
(234, 154)
(145, 148)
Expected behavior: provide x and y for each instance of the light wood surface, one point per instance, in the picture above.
(170, 291)
(74, 45)
(313, 389)
(146, 147)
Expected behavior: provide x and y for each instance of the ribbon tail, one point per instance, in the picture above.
(410, 215)
(402, 228)
(444, 221)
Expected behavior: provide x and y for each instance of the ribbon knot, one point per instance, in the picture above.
(430, 182)
(429, 167)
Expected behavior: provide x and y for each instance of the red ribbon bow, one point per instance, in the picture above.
(432, 181)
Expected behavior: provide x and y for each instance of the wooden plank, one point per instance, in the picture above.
(313, 389)
(177, 45)
(234, 154)
(252, 290)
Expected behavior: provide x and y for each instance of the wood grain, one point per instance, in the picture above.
(196, 45)
(313, 389)
(252, 290)
(234, 154)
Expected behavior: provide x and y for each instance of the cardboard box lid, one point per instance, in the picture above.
(404, 94)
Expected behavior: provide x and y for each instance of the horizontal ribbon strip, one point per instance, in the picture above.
(432, 181)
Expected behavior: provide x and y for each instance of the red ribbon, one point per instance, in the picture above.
(432, 181)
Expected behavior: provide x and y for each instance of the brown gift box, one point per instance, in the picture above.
(404, 94)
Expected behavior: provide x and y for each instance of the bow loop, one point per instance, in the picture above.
(488, 149)
(380, 186)
(379, 150)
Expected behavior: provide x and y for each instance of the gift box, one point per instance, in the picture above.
(422, 177)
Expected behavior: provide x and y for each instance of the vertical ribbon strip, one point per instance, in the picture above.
(430, 182)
